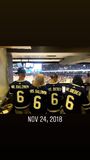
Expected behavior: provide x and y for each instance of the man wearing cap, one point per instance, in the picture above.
(75, 98)
(20, 92)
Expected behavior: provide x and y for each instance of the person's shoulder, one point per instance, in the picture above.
(43, 87)
(48, 84)
(78, 87)
(14, 82)
(65, 84)
(27, 82)
(60, 84)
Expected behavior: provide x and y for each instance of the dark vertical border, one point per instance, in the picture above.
(63, 24)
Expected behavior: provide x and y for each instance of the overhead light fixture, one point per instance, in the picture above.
(20, 60)
(20, 47)
(44, 60)
(24, 60)
(36, 60)
(16, 60)
(88, 70)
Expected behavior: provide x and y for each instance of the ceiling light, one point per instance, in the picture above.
(20, 47)
(44, 60)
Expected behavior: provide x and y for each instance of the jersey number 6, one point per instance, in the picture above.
(69, 103)
(37, 104)
(20, 97)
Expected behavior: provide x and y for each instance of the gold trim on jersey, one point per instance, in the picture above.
(53, 111)
(20, 80)
(86, 108)
(21, 107)
(77, 85)
(86, 104)
(26, 111)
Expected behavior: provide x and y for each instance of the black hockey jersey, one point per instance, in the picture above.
(20, 94)
(55, 96)
(74, 98)
(38, 100)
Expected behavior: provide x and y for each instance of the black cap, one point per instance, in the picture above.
(21, 70)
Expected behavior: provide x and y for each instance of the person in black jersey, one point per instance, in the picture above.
(55, 96)
(75, 97)
(20, 93)
(38, 96)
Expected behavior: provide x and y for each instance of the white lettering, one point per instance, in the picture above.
(32, 118)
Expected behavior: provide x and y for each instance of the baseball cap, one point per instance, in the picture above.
(21, 70)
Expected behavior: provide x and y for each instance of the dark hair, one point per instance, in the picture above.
(78, 80)
(54, 75)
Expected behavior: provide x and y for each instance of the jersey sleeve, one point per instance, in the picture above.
(10, 91)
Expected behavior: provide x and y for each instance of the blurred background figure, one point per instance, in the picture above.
(88, 78)
(87, 84)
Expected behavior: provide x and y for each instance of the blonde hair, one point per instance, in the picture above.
(39, 80)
